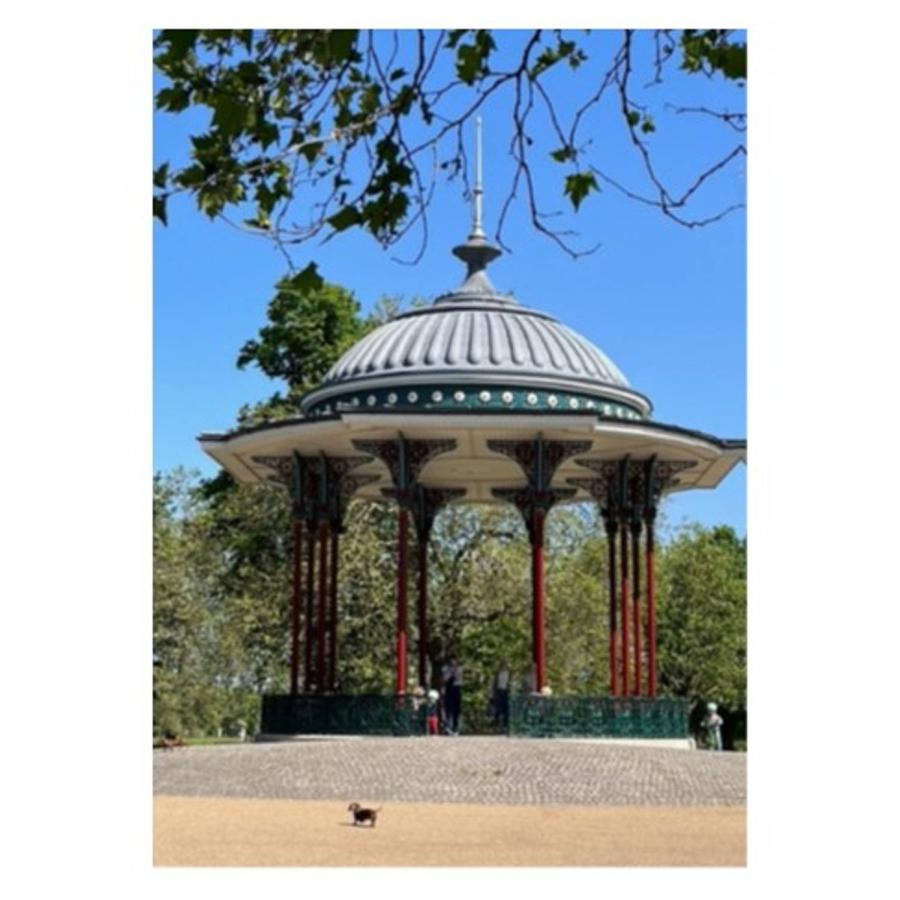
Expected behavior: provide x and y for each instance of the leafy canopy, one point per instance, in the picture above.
(311, 133)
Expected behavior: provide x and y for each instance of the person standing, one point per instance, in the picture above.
(501, 695)
(712, 724)
(453, 695)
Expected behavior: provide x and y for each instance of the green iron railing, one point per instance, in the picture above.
(533, 715)
(530, 715)
(372, 714)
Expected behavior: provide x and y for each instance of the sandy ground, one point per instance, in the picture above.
(212, 831)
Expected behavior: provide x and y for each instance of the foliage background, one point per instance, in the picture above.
(222, 558)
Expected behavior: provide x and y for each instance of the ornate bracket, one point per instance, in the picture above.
(628, 490)
(320, 486)
(539, 459)
(524, 500)
(428, 503)
(405, 460)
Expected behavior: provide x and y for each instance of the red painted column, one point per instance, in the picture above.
(636, 602)
(401, 641)
(295, 605)
(651, 609)
(613, 623)
(537, 582)
(310, 593)
(332, 617)
(422, 623)
(625, 666)
(321, 622)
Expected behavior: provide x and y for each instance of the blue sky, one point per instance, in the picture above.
(666, 303)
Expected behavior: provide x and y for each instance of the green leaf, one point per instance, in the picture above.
(340, 43)
(159, 209)
(306, 280)
(344, 219)
(230, 114)
(455, 36)
(173, 99)
(563, 154)
(471, 59)
(712, 48)
(647, 125)
(179, 41)
(312, 150)
(578, 186)
(160, 175)
(633, 118)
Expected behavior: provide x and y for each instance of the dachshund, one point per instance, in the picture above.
(361, 815)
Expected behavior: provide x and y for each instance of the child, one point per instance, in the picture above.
(431, 712)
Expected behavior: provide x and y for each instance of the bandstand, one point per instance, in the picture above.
(474, 399)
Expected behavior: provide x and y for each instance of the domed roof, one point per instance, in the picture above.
(475, 336)
(475, 342)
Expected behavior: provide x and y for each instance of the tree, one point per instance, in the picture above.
(311, 133)
(703, 616)
(180, 683)
(310, 324)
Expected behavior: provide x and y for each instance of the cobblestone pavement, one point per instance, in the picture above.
(456, 770)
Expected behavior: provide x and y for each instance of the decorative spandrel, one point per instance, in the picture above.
(346, 487)
(282, 467)
(527, 502)
(427, 503)
(318, 484)
(300, 475)
(629, 489)
(405, 459)
(539, 459)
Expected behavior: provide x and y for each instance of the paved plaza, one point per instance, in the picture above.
(476, 770)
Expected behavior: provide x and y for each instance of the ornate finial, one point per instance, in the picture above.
(476, 253)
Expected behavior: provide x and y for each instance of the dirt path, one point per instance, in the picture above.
(211, 831)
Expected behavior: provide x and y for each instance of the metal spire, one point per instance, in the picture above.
(477, 252)
(477, 229)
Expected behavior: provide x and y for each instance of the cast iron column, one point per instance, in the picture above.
(295, 605)
(310, 591)
(321, 623)
(651, 607)
(624, 533)
(636, 596)
(402, 529)
(611, 529)
(537, 585)
(422, 617)
(405, 460)
(332, 631)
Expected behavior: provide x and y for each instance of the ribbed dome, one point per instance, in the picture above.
(475, 337)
